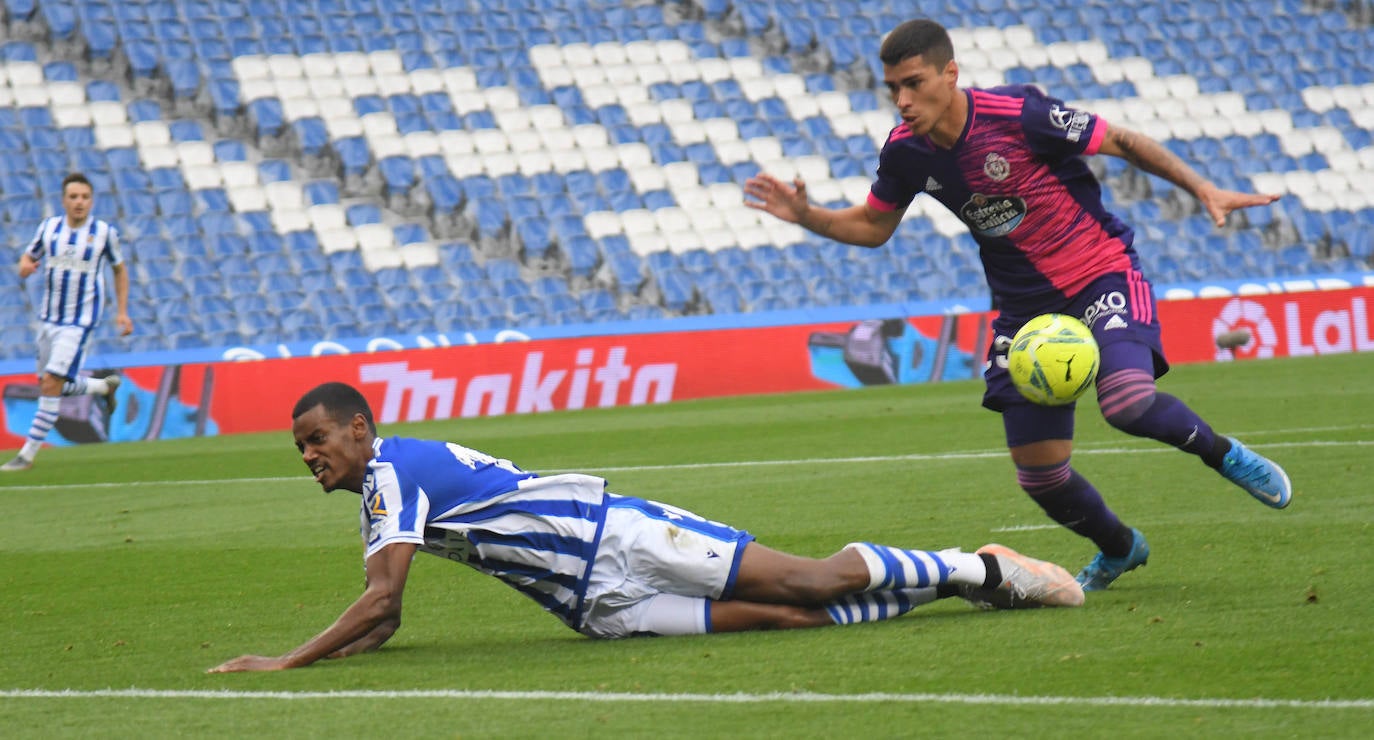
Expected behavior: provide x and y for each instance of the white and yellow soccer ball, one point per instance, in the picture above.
(1053, 359)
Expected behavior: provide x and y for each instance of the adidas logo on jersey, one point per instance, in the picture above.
(1115, 322)
(932, 185)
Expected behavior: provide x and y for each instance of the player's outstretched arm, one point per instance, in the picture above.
(365, 625)
(860, 225)
(1154, 158)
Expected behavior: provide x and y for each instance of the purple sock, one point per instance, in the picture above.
(1068, 498)
(1129, 402)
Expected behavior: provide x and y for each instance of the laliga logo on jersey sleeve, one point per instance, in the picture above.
(1072, 122)
(1242, 315)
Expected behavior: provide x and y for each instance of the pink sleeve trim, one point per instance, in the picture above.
(878, 204)
(1099, 133)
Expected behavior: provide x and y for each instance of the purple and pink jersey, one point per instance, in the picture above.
(1015, 177)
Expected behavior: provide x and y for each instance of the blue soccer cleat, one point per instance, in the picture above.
(1099, 574)
(1257, 474)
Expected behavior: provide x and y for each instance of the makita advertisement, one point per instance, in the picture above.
(519, 377)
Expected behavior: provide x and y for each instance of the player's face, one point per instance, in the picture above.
(921, 91)
(76, 200)
(337, 454)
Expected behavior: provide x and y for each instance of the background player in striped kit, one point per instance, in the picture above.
(1007, 161)
(73, 249)
(607, 565)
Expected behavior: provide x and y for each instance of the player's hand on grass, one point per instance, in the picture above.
(787, 202)
(245, 663)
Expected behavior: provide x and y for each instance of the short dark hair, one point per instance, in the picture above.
(921, 37)
(340, 400)
(76, 177)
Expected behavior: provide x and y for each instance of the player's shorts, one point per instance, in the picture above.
(61, 349)
(656, 569)
(1118, 307)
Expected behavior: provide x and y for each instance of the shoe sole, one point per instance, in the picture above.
(1060, 589)
(111, 400)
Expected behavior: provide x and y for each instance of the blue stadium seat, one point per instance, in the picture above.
(354, 155)
(186, 131)
(312, 136)
(273, 170)
(319, 192)
(265, 115)
(144, 109)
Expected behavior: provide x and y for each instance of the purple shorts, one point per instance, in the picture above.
(1118, 308)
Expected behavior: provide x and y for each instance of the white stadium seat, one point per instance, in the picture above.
(647, 179)
(285, 195)
(247, 198)
(357, 86)
(30, 96)
(197, 154)
(337, 240)
(601, 224)
(320, 66)
(385, 62)
(326, 216)
(105, 112)
(238, 174)
(69, 116)
(287, 221)
(157, 157)
(250, 67)
(285, 66)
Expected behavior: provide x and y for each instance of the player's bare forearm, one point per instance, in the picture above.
(858, 225)
(1152, 157)
(121, 283)
(362, 625)
(353, 626)
(371, 641)
(27, 266)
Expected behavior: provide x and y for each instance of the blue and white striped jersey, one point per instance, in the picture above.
(537, 534)
(73, 260)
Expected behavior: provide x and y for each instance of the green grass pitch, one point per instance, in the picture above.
(130, 569)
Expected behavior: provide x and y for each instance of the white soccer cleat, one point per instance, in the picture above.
(1027, 583)
(17, 464)
(111, 400)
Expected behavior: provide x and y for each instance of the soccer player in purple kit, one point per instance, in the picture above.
(1006, 160)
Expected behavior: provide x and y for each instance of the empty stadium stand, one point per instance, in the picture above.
(296, 169)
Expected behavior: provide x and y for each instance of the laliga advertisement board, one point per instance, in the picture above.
(203, 399)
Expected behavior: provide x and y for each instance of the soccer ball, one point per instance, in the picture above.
(1053, 359)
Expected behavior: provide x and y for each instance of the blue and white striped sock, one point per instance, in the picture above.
(892, 568)
(872, 606)
(43, 421)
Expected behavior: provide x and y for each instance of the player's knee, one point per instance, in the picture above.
(1125, 396)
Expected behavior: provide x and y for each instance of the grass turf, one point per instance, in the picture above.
(138, 566)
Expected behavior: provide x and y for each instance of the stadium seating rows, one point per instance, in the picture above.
(297, 169)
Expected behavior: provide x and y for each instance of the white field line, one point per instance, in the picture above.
(998, 454)
(783, 698)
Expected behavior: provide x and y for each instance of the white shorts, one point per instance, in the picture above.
(656, 569)
(61, 349)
